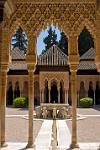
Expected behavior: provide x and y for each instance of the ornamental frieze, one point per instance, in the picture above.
(33, 16)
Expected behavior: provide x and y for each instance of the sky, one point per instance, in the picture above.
(40, 44)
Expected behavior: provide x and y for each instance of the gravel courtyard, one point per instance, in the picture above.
(88, 128)
(17, 125)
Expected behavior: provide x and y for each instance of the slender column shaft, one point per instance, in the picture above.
(74, 105)
(0, 111)
(78, 98)
(42, 96)
(31, 108)
(66, 97)
(49, 94)
(59, 95)
(3, 105)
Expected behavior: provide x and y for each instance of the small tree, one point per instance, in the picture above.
(51, 39)
(19, 40)
(63, 43)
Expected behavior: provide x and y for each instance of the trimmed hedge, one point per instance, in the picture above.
(86, 102)
(20, 102)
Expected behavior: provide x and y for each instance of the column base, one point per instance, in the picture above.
(29, 145)
(54, 148)
(4, 144)
(74, 145)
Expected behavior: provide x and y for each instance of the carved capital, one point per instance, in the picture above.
(73, 44)
(5, 51)
(73, 68)
(4, 67)
(31, 59)
(31, 45)
(73, 59)
(3, 78)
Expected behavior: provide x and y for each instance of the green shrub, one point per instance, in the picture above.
(20, 102)
(86, 102)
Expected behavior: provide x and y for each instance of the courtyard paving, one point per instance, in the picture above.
(88, 129)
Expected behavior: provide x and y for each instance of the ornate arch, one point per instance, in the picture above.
(54, 81)
(52, 20)
(15, 27)
(89, 25)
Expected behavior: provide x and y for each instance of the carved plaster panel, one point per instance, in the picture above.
(33, 17)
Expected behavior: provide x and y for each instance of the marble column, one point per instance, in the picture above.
(31, 108)
(58, 88)
(3, 85)
(31, 60)
(49, 94)
(73, 63)
(42, 95)
(59, 95)
(66, 96)
(49, 91)
(74, 110)
(0, 112)
(97, 38)
(4, 62)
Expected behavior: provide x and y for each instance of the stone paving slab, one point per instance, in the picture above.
(64, 138)
(44, 136)
(83, 146)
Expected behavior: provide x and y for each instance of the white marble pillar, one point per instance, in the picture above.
(49, 94)
(58, 94)
(42, 96)
(3, 105)
(66, 96)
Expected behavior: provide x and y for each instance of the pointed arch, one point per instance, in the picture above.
(52, 20)
(19, 39)
(90, 27)
(85, 41)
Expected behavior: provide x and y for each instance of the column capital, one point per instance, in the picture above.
(4, 67)
(73, 68)
(31, 61)
(73, 44)
(49, 84)
(31, 45)
(73, 59)
(5, 50)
